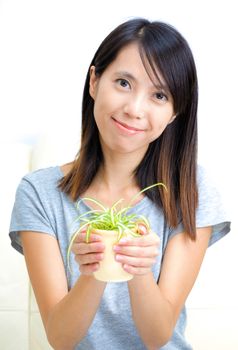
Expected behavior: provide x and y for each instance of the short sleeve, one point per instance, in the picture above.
(28, 214)
(211, 209)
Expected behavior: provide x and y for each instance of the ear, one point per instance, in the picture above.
(93, 82)
(172, 119)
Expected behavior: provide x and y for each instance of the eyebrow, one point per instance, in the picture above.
(128, 75)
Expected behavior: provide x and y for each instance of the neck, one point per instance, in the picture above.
(115, 179)
(118, 176)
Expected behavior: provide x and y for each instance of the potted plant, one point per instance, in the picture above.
(112, 224)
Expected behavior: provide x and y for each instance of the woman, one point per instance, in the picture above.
(139, 127)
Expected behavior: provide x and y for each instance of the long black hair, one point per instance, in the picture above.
(172, 158)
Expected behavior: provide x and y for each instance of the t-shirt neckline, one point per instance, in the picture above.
(136, 206)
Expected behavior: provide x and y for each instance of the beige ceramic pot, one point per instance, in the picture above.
(110, 270)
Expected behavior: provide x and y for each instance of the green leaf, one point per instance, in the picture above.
(110, 219)
(146, 189)
(94, 201)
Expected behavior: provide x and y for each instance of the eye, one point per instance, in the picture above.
(123, 83)
(161, 96)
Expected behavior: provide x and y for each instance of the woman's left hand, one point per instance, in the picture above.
(137, 255)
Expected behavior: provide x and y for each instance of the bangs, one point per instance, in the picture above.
(168, 63)
(153, 71)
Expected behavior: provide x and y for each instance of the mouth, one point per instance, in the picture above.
(126, 126)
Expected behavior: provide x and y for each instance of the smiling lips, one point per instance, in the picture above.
(125, 127)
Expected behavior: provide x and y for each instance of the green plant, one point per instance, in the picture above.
(111, 219)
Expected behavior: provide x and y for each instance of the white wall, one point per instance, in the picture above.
(45, 49)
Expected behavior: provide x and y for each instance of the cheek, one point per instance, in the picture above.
(104, 108)
(99, 101)
(98, 109)
(102, 114)
(160, 123)
(157, 132)
(164, 116)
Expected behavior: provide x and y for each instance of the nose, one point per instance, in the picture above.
(135, 106)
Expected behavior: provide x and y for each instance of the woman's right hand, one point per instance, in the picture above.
(88, 255)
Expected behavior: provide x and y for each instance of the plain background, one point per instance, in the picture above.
(46, 47)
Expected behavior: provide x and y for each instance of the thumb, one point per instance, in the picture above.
(142, 229)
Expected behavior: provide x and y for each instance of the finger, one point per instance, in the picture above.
(143, 241)
(81, 237)
(85, 248)
(137, 251)
(134, 261)
(89, 269)
(136, 270)
(142, 229)
(88, 258)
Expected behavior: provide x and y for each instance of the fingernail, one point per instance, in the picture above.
(142, 229)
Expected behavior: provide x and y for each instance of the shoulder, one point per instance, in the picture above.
(47, 178)
(208, 189)
(40, 184)
(50, 174)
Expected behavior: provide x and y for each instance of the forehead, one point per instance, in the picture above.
(129, 60)
(129, 55)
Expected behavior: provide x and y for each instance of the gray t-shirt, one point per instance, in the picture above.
(40, 206)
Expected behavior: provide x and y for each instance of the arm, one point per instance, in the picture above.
(66, 315)
(155, 308)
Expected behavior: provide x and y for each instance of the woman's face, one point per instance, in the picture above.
(129, 110)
